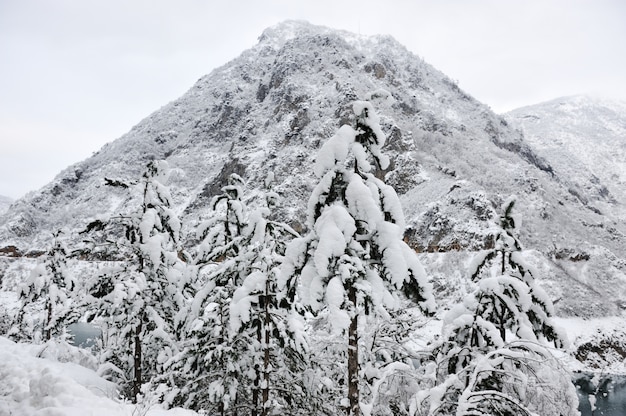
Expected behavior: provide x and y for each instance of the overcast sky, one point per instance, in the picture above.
(75, 74)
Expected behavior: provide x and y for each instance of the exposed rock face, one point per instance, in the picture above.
(453, 160)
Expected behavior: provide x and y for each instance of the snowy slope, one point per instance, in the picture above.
(453, 160)
(5, 202)
(584, 140)
(272, 108)
(42, 379)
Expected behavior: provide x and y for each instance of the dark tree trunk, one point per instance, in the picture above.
(266, 352)
(255, 396)
(220, 341)
(47, 329)
(353, 358)
(137, 363)
(257, 378)
(502, 328)
(502, 313)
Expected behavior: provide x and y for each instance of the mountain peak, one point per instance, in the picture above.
(287, 30)
(580, 102)
(278, 35)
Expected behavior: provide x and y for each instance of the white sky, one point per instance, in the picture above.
(75, 74)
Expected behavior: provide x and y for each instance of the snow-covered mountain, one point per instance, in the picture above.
(453, 160)
(584, 139)
(5, 202)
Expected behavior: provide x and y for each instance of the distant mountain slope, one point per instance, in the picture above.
(453, 160)
(5, 202)
(584, 140)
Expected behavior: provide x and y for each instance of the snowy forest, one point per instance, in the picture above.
(325, 225)
(247, 316)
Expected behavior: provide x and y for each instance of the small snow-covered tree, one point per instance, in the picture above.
(51, 284)
(244, 341)
(220, 235)
(141, 300)
(206, 373)
(263, 315)
(354, 261)
(505, 270)
(491, 359)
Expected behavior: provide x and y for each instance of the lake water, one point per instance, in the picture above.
(609, 392)
(85, 335)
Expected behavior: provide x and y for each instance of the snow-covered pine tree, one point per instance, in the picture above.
(354, 261)
(207, 373)
(491, 360)
(140, 301)
(244, 343)
(52, 286)
(265, 319)
(507, 256)
(220, 235)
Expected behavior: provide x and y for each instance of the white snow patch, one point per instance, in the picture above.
(31, 385)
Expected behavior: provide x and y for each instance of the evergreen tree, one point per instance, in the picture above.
(491, 360)
(507, 261)
(263, 316)
(206, 374)
(140, 301)
(244, 342)
(220, 235)
(353, 261)
(51, 286)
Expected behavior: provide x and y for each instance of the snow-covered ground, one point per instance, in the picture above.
(57, 379)
(598, 345)
(54, 379)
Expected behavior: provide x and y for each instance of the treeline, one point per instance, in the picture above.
(256, 319)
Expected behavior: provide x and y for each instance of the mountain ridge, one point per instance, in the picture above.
(453, 160)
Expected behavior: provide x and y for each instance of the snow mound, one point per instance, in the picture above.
(32, 385)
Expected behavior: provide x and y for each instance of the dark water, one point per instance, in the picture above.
(609, 392)
(85, 335)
